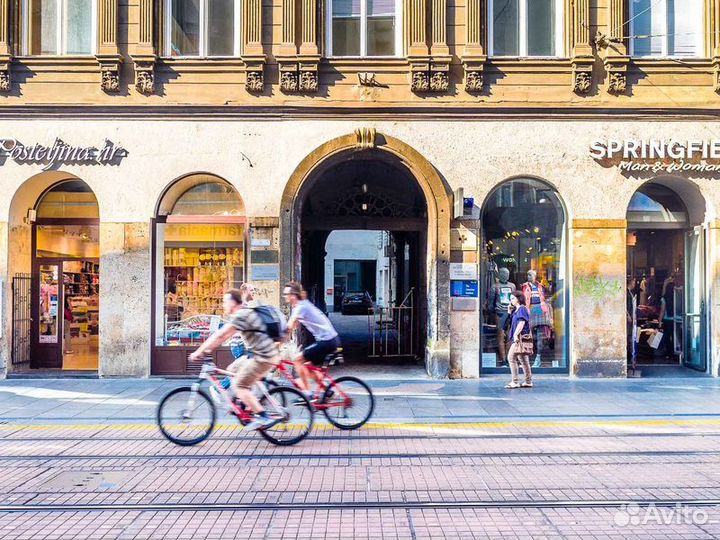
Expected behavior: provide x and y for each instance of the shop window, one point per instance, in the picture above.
(524, 237)
(203, 28)
(362, 28)
(526, 28)
(200, 253)
(666, 28)
(59, 27)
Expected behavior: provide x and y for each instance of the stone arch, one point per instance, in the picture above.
(180, 185)
(439, 209)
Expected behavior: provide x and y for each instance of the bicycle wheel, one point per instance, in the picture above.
(186, 417)
(294, 414)
(350, 403)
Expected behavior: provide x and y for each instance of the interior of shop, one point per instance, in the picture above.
(524, 250)
(665, 306)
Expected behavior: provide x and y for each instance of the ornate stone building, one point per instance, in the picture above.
(155, 152)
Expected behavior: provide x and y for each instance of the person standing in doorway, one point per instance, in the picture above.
(667, 316)
(67, 322)
(520, 327)
(499, 297)
(631, 318)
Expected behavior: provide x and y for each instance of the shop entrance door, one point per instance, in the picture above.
(693, 320)
(47, 301)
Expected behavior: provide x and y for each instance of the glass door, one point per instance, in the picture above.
(47, 309)
(694, 313)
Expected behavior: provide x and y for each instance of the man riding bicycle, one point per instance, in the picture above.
(326, 337)
(265, 354)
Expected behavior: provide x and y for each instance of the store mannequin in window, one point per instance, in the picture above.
(499, 301)
(540, 314)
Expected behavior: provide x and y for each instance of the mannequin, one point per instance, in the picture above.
(499, 303)
(539, 311)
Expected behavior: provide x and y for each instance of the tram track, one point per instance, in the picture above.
(360, 455)
(358, 505)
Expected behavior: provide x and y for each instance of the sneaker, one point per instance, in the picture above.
(215, 395)
(262, 420)
(526, 385)
(512, 385)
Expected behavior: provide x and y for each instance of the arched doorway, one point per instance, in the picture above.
(65, 278)
(373, 182)
(199, 250)
(666, 311)
(524, 249)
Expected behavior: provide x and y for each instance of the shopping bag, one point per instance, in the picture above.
(655, 340)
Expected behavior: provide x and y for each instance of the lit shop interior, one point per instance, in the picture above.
(524, 244)
(199, 244)
(66, 294)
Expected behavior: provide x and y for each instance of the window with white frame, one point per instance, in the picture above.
(526, 28)
(364, 28)
(666, 28)
(59, 27)
(202, 28)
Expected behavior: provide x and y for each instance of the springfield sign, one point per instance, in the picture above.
(60, 153)
(656, 156)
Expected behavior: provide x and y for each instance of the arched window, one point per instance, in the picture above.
(523, 225)
(654, 203)
(200, 239)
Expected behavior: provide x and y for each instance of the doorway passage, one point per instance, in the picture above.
(665, 300)
(363, 252)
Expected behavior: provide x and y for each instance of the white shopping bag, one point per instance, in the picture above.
(655, 340)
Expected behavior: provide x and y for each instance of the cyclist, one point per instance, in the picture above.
(315, 321)
(265, 354)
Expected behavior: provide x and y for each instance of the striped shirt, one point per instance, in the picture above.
(254, 333)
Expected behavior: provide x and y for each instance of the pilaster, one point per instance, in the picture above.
(108, 54)
(474, 57)
(617, 59)
(144, 54)
(582, 52)
(253, 53)
(5, 46)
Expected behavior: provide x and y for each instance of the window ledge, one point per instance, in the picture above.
(66, 63)
(202, 64)
(358, 64)
(531, 64)
(678, 65)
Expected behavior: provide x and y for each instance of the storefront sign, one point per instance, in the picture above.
(463, 271)
(467, 288)
(656, 156)
(60, 153)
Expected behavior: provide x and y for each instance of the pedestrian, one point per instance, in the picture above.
(631, 303)
(68, 319)
(521, 342)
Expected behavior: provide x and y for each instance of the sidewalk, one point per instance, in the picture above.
(398, 401)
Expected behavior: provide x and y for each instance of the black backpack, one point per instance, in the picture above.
(274, 321)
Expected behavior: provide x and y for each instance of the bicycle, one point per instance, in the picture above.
(340, 398)
(187, 415)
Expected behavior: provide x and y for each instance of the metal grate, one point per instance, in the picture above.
(21, 291)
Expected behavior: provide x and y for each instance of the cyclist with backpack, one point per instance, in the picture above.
(262, 328)
(326, 337)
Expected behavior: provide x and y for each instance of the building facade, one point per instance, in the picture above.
(155, 153)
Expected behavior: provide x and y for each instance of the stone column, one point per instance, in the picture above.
(474, 56)
(465, 330)
(713, 309)
(617, 59)
(5, 46)
(143, 52)
(417, 40)
(108, 54)
(597, 311)
(439, 50)
(253, 54)
(125, 262)
(582, 52)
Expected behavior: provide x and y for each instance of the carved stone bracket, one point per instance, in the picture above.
(300, 77)
(289, 77)
(145, 75)
(474, 74)
(429, 77)
(309, 78)
(5, 73)
(582, 75)
(716, 74)
(254, 79)
(109, 73)
(617, 68)
(365, 138)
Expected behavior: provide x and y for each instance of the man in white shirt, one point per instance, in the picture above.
(315, 321)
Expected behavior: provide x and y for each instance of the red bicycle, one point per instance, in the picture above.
(347, 402)
(187, 415)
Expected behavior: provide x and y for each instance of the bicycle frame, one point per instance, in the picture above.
(327, 382)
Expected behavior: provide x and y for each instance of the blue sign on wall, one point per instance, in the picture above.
(464, 288)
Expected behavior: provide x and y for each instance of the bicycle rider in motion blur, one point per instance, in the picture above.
(326, 337)
(265, 354)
